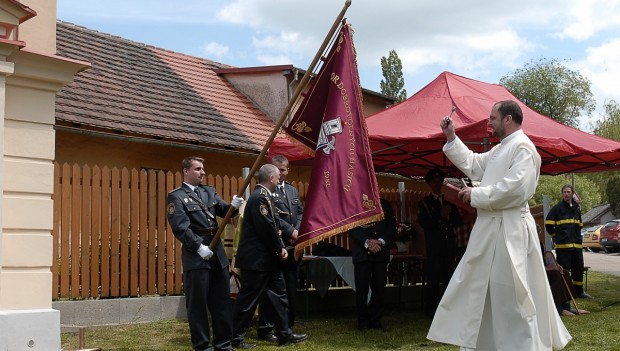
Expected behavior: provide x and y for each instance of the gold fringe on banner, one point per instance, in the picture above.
(301, 247)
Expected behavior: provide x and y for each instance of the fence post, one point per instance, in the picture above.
(245, 172)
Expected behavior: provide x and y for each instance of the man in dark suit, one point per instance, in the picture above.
(371, 255)
(192, 209)
(438, 218)
(287, 204)
(259, 256)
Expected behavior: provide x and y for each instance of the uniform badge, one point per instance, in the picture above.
(171, 208)
(264, 210)
(186, 199)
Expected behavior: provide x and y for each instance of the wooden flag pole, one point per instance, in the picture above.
(300, 87)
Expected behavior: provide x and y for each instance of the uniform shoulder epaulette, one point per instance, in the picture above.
(175, 189)
(264, 191)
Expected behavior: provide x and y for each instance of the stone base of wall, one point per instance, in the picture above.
(151, 309)
(120, 311)
(30, 330)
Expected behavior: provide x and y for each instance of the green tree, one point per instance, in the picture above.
(613, 194)
(588, 191)
(609, 126)
(393, 82)
(550, 88)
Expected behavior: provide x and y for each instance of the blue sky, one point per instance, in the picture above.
(477, 39)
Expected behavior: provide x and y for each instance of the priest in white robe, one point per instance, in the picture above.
(499, 298)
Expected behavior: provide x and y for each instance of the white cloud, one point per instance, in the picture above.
(587, 18)
(602, 67)
(216, 49)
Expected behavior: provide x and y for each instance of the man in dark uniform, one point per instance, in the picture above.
(287, 204)
(564, 224)
(192, 209)
(259, 256)
(438, 218)
(371, 255)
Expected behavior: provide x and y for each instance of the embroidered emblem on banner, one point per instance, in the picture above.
(329, 128)
(301, 127)
(368, 203)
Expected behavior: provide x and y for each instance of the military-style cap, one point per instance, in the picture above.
(434, 173)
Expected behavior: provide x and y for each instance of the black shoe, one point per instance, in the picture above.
(268, 337)
(243, 345)
(363, 327)
(292, 339)
(585, 295)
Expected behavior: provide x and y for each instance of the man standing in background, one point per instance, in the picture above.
(564, 224)
(371, 255)
(438, 218)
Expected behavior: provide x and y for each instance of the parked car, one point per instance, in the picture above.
(592, 238)
(610, 235)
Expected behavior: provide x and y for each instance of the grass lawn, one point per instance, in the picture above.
(598, 331)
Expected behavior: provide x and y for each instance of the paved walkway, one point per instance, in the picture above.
(602, 262)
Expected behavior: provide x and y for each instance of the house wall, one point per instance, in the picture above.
(268, 90)
(84, 148)
(29, 80)
(271, 90)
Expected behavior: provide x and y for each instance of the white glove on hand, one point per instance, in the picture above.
(236, 202)
(205, 252)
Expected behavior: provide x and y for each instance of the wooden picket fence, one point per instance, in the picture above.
(111, 236)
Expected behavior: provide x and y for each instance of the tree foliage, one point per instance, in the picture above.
(609, 126)
(393, 82)
(588, 191)
(613, 194)
(553, 90)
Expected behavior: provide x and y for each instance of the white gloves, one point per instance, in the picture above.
(236, 202)
(205, 252)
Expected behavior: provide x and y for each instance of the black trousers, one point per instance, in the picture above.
(290, 272)
(438, 270)
(208, 290)
(572, 259)
(370, 275)
(269, 289)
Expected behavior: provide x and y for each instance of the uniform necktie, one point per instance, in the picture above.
(281, 190)
(197, 191)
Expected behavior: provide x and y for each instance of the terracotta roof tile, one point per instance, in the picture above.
(151, 92)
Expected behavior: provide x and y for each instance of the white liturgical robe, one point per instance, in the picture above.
(499, 298)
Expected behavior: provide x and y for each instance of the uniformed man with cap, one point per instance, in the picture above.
(192, 209)
(438, 218)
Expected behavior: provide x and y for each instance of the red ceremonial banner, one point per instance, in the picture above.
(343, 191)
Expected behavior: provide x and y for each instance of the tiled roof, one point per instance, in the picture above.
(140, 90)
(595, 213)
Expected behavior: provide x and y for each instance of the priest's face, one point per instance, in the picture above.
(497, 123)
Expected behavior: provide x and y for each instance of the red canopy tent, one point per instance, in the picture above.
(406, 139)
